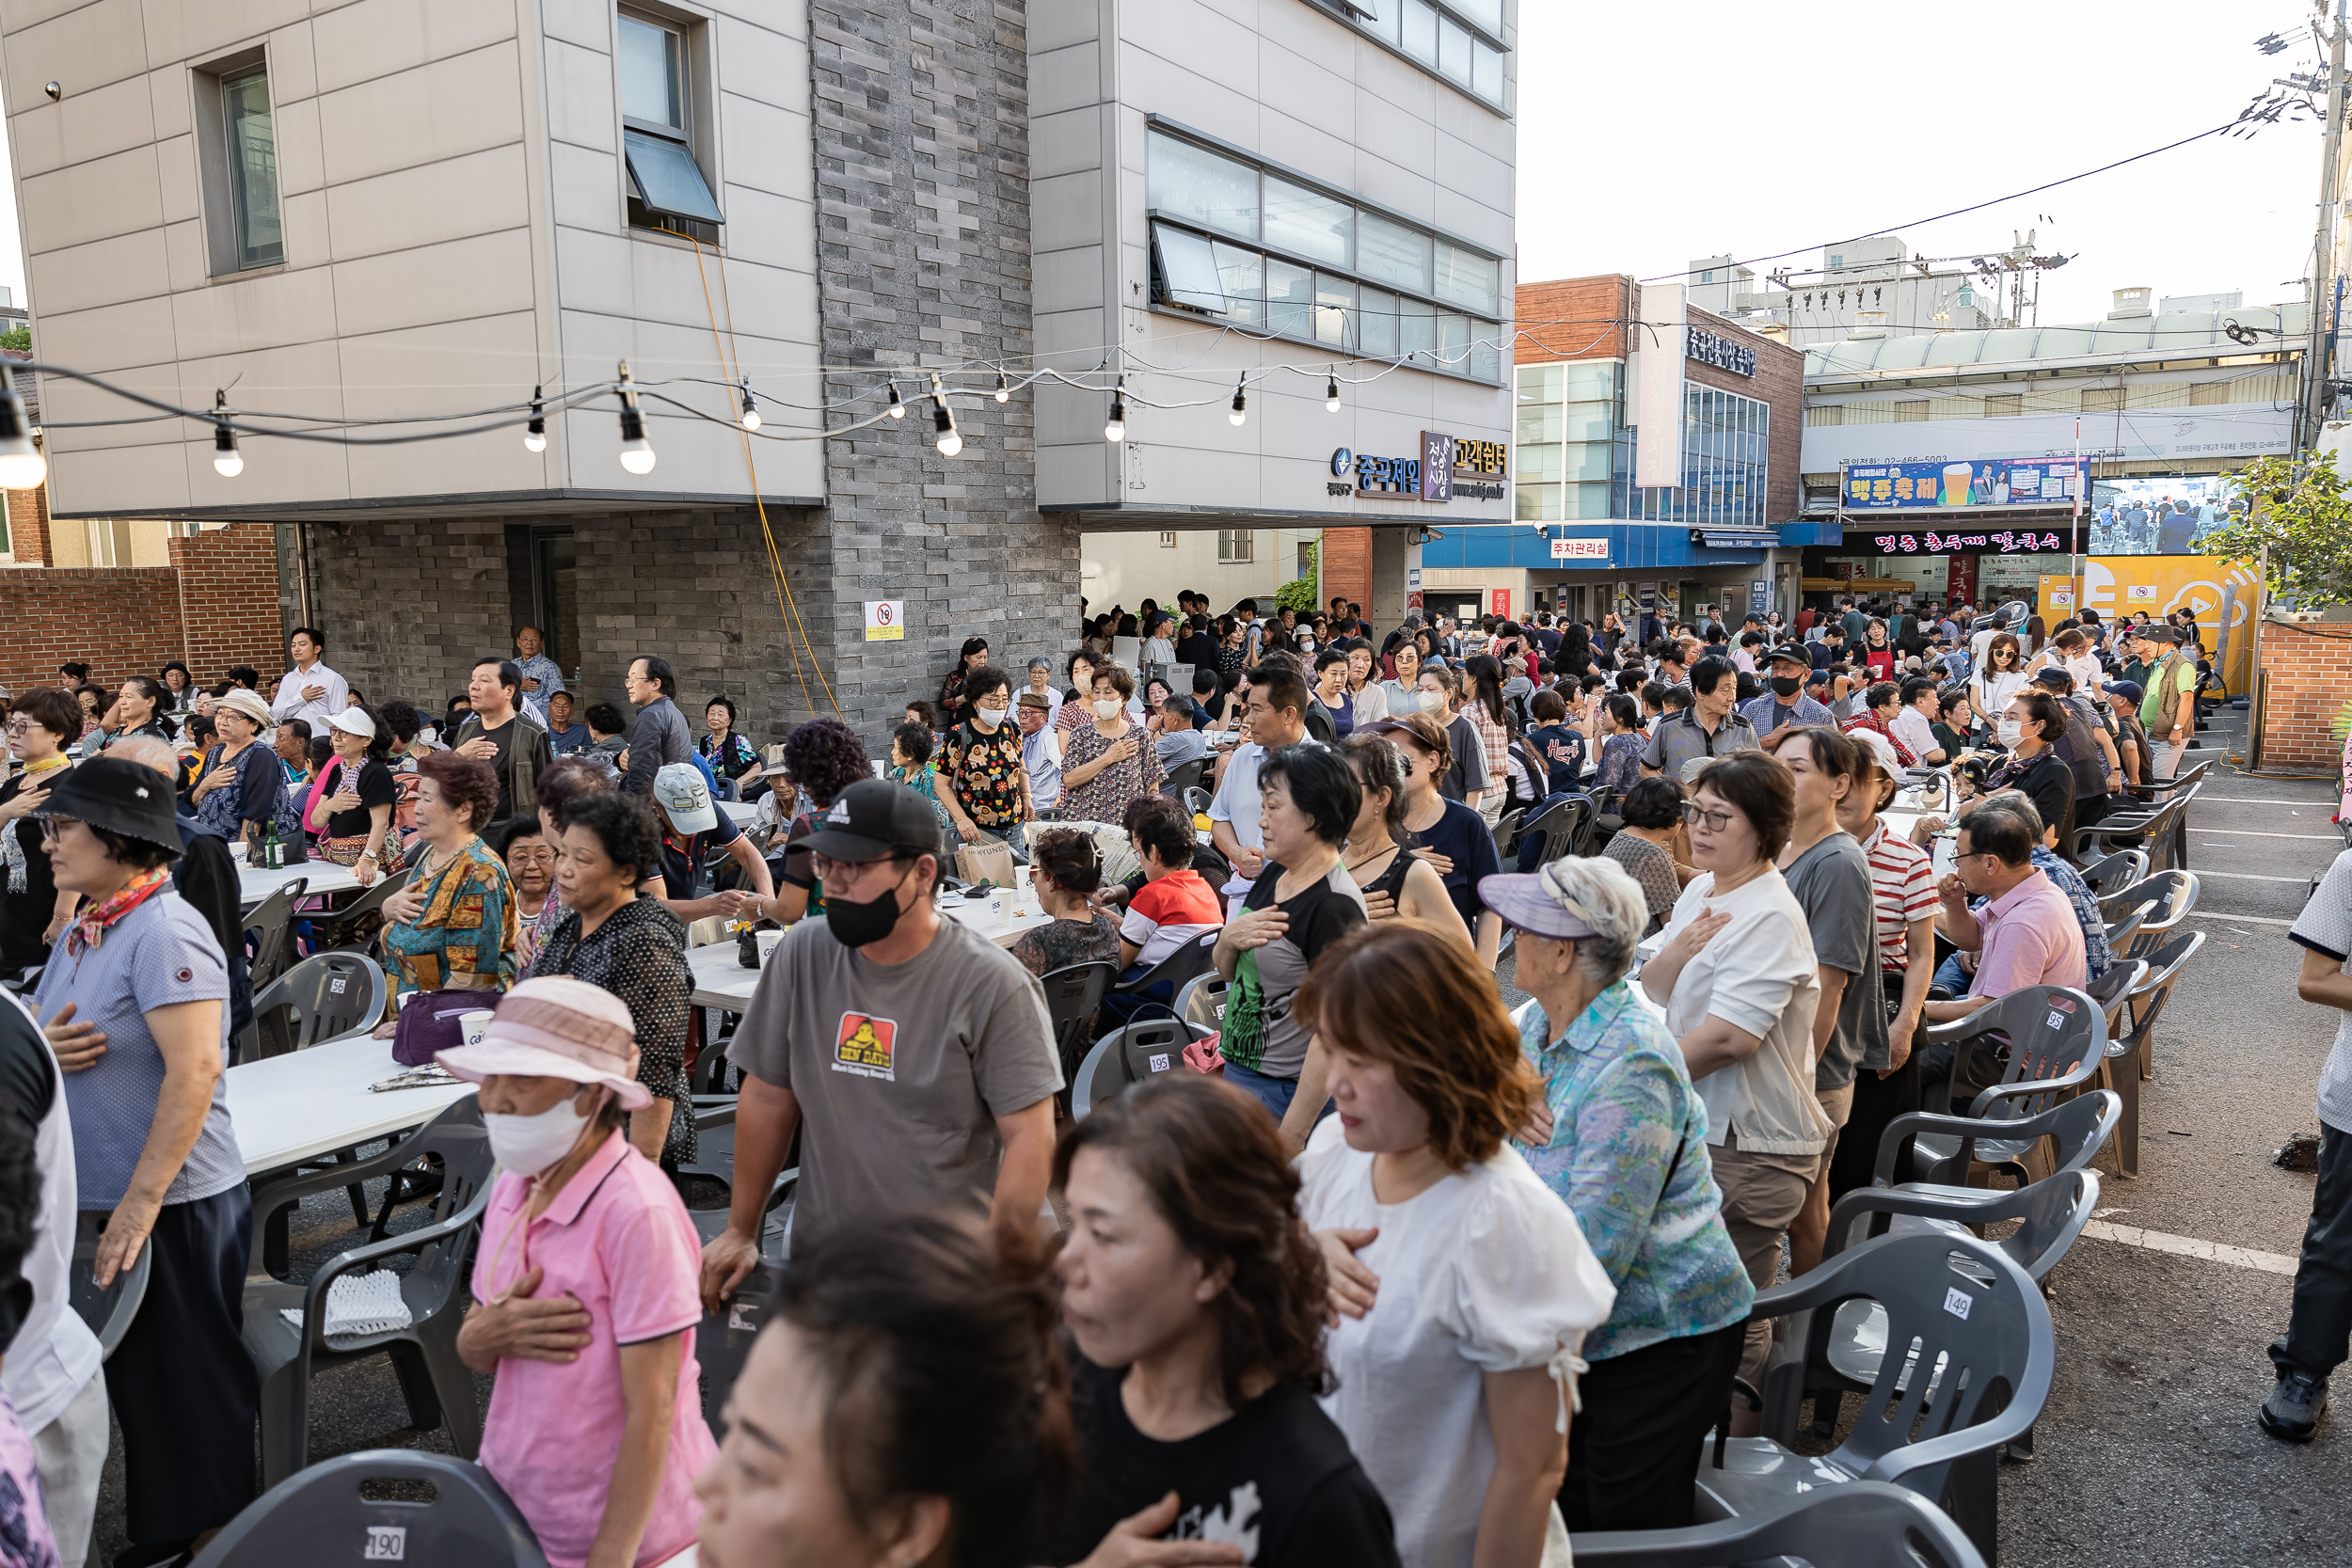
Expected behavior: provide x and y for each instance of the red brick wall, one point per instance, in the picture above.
(1573, 318)
(2307, 676)
(1347, 562)
(127, 620)
(28, 526)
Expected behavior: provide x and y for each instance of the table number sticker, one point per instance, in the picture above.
(1957, 1302)
(387, 1543)
(1159, 1061)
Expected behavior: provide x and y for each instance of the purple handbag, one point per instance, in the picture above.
(430, 1024)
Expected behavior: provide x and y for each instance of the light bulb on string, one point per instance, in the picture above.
(1115, 428)
(21, 466)
(1003, 392)
(1240, 416)
(1331, 392)
(535, 432)
(637, 453)
(228, 461)
(750, 409)
(950, 441)
(896, 410)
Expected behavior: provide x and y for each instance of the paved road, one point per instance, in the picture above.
(2148, 1455)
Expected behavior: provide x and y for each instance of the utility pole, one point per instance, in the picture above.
(2323, 255)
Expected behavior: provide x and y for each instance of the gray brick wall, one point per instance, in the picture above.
(408, 606)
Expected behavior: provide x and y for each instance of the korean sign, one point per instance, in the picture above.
(2009, 541)
(1986, 481)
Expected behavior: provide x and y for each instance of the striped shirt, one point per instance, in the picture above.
(1902, 881)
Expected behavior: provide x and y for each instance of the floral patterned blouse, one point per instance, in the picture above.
(1629, 1156)
(988, 775)
(464, 938)
(1067, 942)
(1104, 797)
(639, 954)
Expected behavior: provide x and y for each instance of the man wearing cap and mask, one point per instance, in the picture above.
(1786, 669)
(690, 825)
(2169, 711)
(914, 1054)
(133, 1003)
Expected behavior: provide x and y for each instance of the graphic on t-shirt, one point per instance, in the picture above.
(1234, 1525)
(863, 1046)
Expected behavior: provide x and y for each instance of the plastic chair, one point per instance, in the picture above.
(1861, 1524)
(1563, 827)
(1184, 778)
(722, 1342)
(437, 1384)
(2056, 1037)
(1960, 1310)
(327, 997)
(320, 1515)
(2121, 931)
(1073, 993)
(1197, 800)
(271, 928)
(2157, 789)
(1506, 831)
(2111, 873)
(2078, 1128)
(109, 1312)
(2176, 893)
(1201, 1002)
(2130, 1053)
(342, 928)
(1126, 1056)
(2162, 830)
(1179, 968)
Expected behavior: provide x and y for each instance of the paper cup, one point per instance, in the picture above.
(768, 941)
(474, 1023)
(237, 849)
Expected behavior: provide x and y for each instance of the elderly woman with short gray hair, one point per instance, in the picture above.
(1621, 1137)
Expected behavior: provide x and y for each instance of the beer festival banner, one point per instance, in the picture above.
(1950, 486)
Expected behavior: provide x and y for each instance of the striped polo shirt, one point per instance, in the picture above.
(1902, 881)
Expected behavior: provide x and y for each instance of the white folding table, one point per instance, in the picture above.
(295, 1107)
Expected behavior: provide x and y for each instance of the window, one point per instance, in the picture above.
(1451, 38)
(1911, 412)
(1305, 559)
(1375, 324)
(2101, 399)
(1467, 279)
(1725, 443)
(1289, 300)
(1335, 306)
(668, 189)
(1188, 268)
(2002, 405)
(1392, 253)
(1235, 544)
(1190, 181)
(1309, 225)
(253, 170)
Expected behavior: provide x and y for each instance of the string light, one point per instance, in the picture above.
(751, 410)
(228, 461)
(1240, 416)
(1115, 428)
(535, 432)
(896, 410)
(1003, 392)
(637, 453)
(950, 440)
(21, 466)
(1331, 391)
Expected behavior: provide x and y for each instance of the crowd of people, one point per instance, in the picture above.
(1369, 1290)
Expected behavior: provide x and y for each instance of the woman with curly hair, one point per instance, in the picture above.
(1194, 1299)
(822, 757)
(1464, 1287)
(453, 926)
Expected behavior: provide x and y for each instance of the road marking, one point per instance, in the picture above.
(2250, 919)
(2190, 1246)
(2256, 801)
(2250, 877)
(2240, 832)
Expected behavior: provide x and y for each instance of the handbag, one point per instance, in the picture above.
(989, 861)
(429, 1023)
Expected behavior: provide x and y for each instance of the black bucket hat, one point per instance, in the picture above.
(125, 798)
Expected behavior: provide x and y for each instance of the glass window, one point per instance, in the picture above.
(1335, 304)
(1191, 181)
(1486, 73)
(652, 75)
(1482, 13)
(1586, 421)
(669, 183)
(1540, 462)
(1416, 330)
(1467, 279)
(1420, 31)
(1485, 357)
(1391, 252)
(1588, 379)
(1537, 503)
(1538, 421)
(1289, 299)
(1454, 336)
(1186, 268)
(253, 170)
(1453, 50)
(1375, 324)
(1382, 20)
(1309, 225)
(1242, 274)
(1587, 500)
(1236, 544)
(1540, 383)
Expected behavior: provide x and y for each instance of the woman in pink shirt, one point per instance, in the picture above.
(585, 1288)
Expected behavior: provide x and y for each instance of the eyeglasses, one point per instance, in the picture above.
(1717, 821)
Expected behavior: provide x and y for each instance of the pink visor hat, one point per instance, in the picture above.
(557, 1027)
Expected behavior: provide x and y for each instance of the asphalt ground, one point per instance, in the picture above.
(2146, 1453)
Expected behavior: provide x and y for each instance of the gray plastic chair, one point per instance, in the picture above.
(1073, 993)
(320, 1515)
(2111, 873)
(2112, 989)
(271, 926)
(2176, 893)
(2131, 1052)
(1859, 1523)
(109, 1312)
(1178, 970)
(437, 1384)
(2162, 831)
(1186, 778)
(1507, 833)
(1566, 827)
(2056, 1037)
(2077, 1128)
(1197, 800)
(2124, 929)
(327, 997)
(724, 1341)
(1126, 1056)
(1201, 1002)
(714, 1158)
(340, 929)
(1958, 1307)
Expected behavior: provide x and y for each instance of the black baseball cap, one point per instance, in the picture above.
(872, 818)
(126, 798)
(1791, 653)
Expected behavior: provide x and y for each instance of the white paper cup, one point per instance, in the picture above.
(237, 849)
(999, 904)
(768, 941)
(474, 1023)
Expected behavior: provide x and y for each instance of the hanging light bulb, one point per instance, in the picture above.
(535, 432)
(897, 410)
(1331, 392)
(637, 454)
(751, 410)
(1115, 428)
(21, 466)
(1240, 416)
(950, 441)
(1003, 392)
(228, 461)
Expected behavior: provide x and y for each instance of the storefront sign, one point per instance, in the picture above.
(1722, 353)
(1448, 467)
(1987, 481)
(1501, 603)
(2008, 542)
(1580, 549)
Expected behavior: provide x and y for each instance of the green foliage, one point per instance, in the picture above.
(2299, 510)
(18, 338)
(2341, 725)
(1299, 592)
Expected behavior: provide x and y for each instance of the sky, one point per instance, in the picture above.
(1697, 129)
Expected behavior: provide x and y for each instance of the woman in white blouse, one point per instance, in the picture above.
(1464, 1287)
(1740, 984)
(2001, 676)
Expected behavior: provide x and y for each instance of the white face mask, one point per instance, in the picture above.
(987, 718)
(1109, 707)
(2010, 731)
(529, 1145)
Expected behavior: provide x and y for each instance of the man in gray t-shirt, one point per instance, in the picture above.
(915, 1057)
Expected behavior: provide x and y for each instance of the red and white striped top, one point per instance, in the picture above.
(1902, 883)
